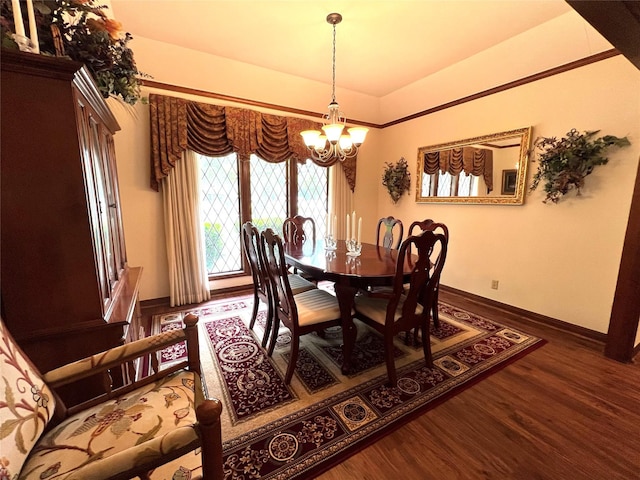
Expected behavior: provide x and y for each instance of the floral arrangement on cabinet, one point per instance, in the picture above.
(397, 179)
(564, 163)
(81, 31)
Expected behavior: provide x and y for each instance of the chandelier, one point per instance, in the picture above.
(333, 144)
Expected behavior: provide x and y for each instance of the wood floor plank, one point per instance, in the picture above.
(562, 412)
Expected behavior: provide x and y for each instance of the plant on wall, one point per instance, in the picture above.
(397, 179)
(564, 163)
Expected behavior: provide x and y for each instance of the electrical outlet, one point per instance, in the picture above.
(494, 284)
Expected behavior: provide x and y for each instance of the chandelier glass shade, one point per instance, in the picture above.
(332, 143)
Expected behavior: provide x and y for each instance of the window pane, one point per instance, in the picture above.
(268, 194)
(464, 184)
(312, 194)
(220, 214)
(426, 189)
(444, 184)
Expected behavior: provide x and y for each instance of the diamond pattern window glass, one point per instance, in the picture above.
(269, 197)
(220, 214)
(444, 184)
(312, 194)
(265, 200)
(467, 185)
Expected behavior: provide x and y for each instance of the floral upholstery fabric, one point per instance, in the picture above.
(117, 435)
(26, 406)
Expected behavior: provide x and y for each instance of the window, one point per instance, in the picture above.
(447, 185)
(220, 213)
(313, 192)
(274, 191)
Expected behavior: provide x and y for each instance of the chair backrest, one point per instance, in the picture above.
(251, 244)
(299, 229)
(27, 404)
(273, 254)
(428, 224)
(431, 250)
(386, 225)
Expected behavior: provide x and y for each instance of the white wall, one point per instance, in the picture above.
(557, 260)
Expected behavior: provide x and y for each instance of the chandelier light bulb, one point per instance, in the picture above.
(358, 134)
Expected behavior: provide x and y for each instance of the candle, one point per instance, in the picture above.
(33, 28)
(347, 237)
(333, 227)
(359, 229)
(353, 225)
(17, 17)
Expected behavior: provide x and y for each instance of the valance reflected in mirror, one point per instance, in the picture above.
(491, 169)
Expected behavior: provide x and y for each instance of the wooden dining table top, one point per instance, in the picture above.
(375, 265)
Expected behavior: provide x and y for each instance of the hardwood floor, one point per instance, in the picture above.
(562, 412)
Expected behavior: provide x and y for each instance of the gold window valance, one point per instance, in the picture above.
(470, 160)
(178, 124)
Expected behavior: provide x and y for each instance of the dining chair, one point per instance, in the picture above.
(429, 224)
(261, 284)
(306, 312)
(402, 309)
(126, 432)
(386, 225)
(299, 229)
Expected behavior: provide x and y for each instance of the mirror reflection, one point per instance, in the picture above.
(487, 169)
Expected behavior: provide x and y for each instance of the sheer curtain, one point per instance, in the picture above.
(188, 279)
(340, 198)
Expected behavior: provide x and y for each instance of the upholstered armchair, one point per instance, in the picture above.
(127, 432)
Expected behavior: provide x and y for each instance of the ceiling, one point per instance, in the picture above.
(381, 46)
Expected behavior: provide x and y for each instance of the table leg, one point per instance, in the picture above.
(345, 295)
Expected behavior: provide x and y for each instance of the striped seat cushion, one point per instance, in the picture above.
(376, 308)
(316, 306)
(299, 284)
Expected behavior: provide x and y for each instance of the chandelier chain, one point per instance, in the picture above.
(333, 93)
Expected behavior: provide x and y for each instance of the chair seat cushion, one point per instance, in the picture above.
(299, 284)
(316, 306)
(157, 418)
(376, 308)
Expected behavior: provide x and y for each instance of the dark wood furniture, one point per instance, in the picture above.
(261, 285)
(375, 267)
(402, 309)
(309, 311)
(414, 229)
(67, 290)
(299, 229)
(386, 225)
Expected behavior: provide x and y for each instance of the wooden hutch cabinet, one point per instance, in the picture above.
(66, 289)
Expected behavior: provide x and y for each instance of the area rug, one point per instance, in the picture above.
(274, 431)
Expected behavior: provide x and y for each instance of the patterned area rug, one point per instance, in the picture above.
(274, 431)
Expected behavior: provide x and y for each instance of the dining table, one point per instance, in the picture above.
(374, 267)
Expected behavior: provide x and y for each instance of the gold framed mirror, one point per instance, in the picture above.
(491, 169)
